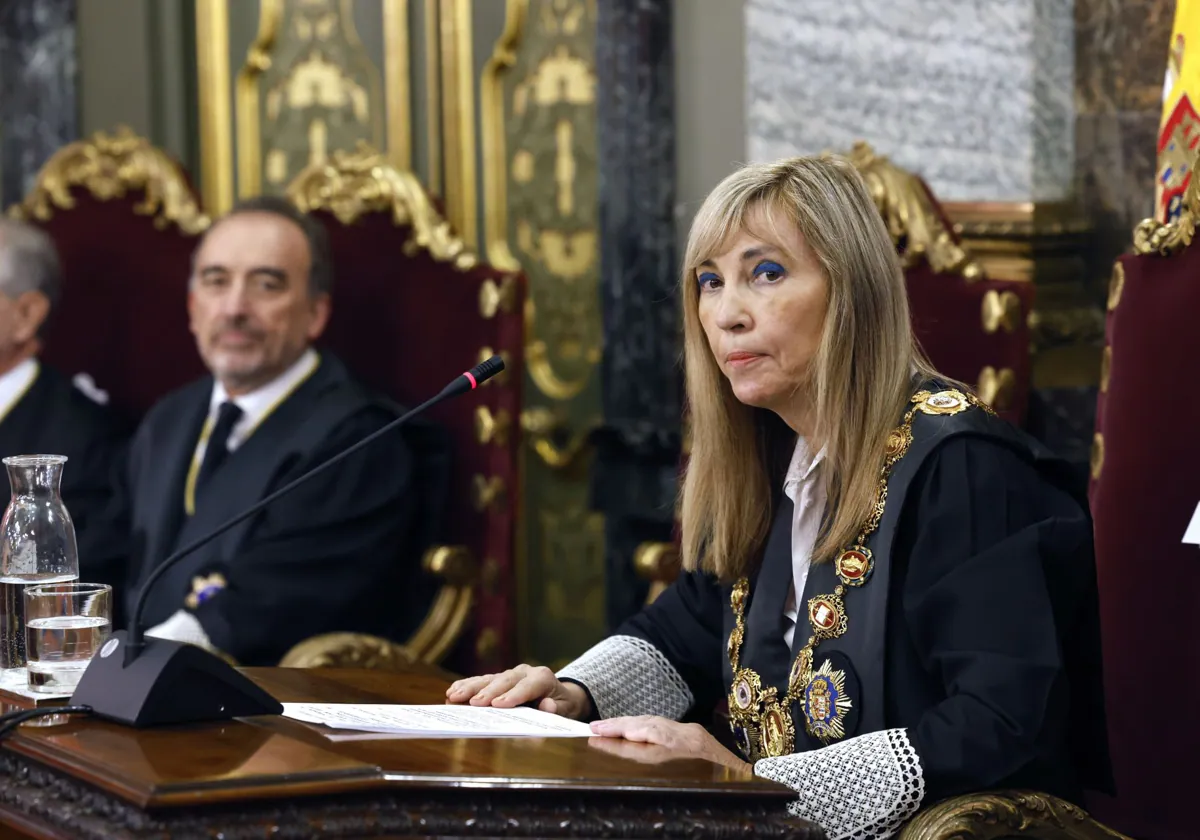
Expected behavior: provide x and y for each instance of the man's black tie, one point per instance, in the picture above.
(217, 448)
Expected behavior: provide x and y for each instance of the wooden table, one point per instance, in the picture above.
(272, 777)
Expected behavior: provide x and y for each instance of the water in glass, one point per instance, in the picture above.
(65, 624)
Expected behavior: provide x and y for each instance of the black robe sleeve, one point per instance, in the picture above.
(998, 567)
(325, 557)
(666, 660)
(991, 563)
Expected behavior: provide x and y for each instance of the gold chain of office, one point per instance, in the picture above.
(762, 721)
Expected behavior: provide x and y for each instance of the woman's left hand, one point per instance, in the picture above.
(682, 740)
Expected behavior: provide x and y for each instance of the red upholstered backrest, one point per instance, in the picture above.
(1145, 487)
(946, 314)
(985, 346)
(408, 321)
(117, 210)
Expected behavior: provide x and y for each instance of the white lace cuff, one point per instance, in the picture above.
(863, 788)
(629, 676)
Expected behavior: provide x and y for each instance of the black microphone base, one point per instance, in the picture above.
(167, 682)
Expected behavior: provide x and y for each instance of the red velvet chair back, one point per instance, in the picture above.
(1145, 488)
(412, 310)
(125, 222)
(972, 328)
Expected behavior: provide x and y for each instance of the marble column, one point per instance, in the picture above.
(38, 93)
(978, 97)
(975, 95)
(638, 448)
(1120, 62)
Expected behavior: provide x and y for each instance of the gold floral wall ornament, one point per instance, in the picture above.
(911, 217)
(351, 184)
(111, 166)
(307, 87)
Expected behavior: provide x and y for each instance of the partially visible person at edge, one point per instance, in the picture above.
(42, 411)
(893, 588)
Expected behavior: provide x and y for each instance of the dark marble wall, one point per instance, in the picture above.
(37, 88)
(1120, 60)
(638, 448)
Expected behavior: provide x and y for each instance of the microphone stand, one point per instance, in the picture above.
(157, 681)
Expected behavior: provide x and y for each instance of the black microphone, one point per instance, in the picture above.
(158, 681)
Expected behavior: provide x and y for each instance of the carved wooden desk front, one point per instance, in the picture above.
(272, 777)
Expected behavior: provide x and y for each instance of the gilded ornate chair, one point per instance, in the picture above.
(414, 309)
(1144, 492)
(125, 220)
(973, 329)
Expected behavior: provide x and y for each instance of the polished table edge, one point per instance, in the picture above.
(361, 777)
(48, 804)
(363, 798)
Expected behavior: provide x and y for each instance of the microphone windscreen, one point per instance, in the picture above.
(486, 369)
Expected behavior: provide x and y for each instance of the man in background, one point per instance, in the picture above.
(41, 411)
(337, 554)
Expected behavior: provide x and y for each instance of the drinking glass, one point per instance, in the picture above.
(65, 624)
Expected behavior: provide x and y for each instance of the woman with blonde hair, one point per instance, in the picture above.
(893, 589)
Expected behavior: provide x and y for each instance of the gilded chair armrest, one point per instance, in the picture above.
(348, 650)
(451, 609)
(1005, 814)
(659, 563)
(436, 635)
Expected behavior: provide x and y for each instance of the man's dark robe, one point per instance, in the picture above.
(340, 553)
(53, 417)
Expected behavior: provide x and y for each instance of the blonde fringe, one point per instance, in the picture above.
(859, 385)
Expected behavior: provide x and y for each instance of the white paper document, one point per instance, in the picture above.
(438, 721)
(1192, 534)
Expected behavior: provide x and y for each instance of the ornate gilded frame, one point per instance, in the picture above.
(216, 97)
(911, 217)
(109, 166)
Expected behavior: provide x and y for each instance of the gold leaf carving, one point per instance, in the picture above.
(491, 427)
(487, 493)
(1097, 459)
(911, 218)
(1116, 285)
(352, 184)
(996, 387)
(1105, 368)
(1154, 237)
(1000, 310)
(992, 816)
(542, 428)
(348, 650)
(438, 632)
(110, 166)
(497, 297)
(487, 644)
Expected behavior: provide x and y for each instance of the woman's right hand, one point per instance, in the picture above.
(521, 685)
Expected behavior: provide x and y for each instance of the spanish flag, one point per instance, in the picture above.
(1179, 131)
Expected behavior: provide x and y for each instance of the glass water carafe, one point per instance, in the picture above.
(37, 544)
